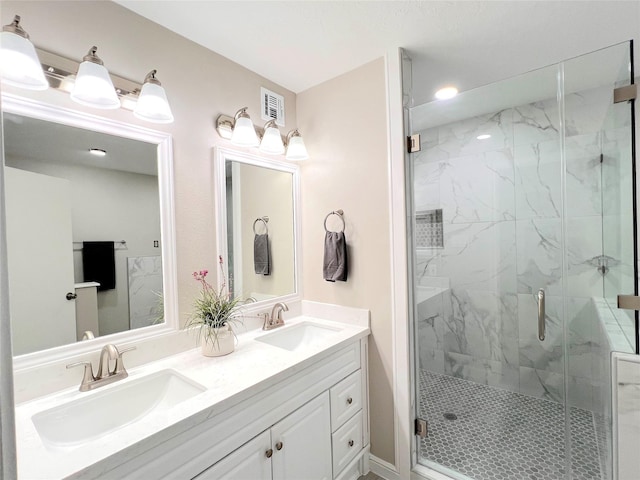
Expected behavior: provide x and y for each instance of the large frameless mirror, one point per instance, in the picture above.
(258, 228)
(89, 227)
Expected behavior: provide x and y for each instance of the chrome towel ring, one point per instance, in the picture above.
(263, 220)
(340, 214)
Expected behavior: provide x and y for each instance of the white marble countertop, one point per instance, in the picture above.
(86, 285)
(252, 367)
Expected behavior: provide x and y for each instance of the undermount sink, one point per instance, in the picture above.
(298, 337)
(102, 412)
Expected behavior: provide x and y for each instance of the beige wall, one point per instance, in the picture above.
(267, 192)
(200, 85)
(344, 125)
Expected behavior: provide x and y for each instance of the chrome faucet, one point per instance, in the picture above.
(105, 375)
(276, 316)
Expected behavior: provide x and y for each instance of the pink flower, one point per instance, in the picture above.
(201, 277)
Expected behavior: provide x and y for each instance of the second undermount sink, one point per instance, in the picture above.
(298, 337)
(99, 413)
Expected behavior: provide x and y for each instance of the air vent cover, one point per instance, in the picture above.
(272, 106)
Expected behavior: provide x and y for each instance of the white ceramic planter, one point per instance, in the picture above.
(220, 342)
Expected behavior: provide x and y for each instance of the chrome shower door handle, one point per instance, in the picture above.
(541, 315)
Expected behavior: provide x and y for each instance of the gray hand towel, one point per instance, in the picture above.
(261, 254)
(335, 257)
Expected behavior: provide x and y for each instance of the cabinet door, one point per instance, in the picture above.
(249, 462)
(304, 438)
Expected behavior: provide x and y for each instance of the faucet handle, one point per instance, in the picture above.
(267, 321)
(119, 363)
(87, 377)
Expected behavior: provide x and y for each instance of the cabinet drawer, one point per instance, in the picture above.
(346, 399)
(346, 443)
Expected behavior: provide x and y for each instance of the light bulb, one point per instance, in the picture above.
(19, 62)
(152, 104)
(271, 140)
(93, 86)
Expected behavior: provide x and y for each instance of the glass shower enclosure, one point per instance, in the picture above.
(522, 234)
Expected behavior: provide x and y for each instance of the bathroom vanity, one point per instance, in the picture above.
(287, 404)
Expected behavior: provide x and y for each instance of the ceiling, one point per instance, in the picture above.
(32, 139)
(300, 44)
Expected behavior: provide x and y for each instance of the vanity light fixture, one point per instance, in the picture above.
(295, 146)
(244, 133)
(93, 86)
(446, 93)
(484, 136)
(98, 152)
(228, 128)
(271, 139)
(19, 63)
(89, 83)
(152, 104)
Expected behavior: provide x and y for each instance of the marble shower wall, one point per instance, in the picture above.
(145, 290)
(502, 210)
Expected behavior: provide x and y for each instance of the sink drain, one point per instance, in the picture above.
(450, 416)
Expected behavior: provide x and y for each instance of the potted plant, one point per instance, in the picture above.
(215, 313)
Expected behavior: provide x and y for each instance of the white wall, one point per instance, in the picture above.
(344, 125)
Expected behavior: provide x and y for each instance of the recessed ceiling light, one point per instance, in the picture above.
(484, 136)
(446, 93)
(98, 152)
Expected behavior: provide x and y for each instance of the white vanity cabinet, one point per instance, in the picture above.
(310, 423)
(297, 447)
(251, 461)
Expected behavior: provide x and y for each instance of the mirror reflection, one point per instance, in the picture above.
(83, 233)
(260, 230)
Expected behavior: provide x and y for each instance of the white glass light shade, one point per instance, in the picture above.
(272, 141)
(94, 88)
(244, 134)
(19, 63)
(152, 104)
(296, 149)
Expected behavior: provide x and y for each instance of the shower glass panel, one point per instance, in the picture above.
(599, 243)
(509, 200)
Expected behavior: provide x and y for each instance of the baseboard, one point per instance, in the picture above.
(383, 469)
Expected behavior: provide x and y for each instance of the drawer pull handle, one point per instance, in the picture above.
(351, 443)
(349, 401)
(269, 452)
(279, 446)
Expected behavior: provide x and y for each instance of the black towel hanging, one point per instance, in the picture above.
(99, 264)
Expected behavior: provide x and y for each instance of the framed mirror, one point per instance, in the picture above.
(90, 238)
(258, 230)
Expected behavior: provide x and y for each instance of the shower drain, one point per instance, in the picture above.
(450, 416)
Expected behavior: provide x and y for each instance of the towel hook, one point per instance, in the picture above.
(339, 214)
(264, 220)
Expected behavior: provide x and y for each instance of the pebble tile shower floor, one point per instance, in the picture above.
(501, 435)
